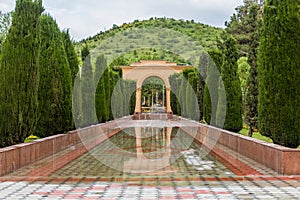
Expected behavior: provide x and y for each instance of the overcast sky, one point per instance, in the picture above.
(87, 17)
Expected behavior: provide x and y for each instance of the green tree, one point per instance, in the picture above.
(210, 101)
(243, 73)
(85, 51)
(100, 100)
(175, 82)
(181, 96)
(54, 95)
(71, 54)
(88, 94)
(279, 72)
(251, 93)
(192, 96)
(239, 25)
(116, 95)
(19, 74)
(108, 87)
(233, 120)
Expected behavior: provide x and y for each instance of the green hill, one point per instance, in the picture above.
(205, 35)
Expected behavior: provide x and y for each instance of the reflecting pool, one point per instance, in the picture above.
(146, 151)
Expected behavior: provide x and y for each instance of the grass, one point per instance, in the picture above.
(257, 135)
(31, 138)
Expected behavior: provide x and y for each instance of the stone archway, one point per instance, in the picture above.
(145, 69)
(139, 91)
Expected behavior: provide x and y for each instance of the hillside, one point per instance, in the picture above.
(204, 34)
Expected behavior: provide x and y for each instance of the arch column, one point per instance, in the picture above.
(138, 102)
(168, 98)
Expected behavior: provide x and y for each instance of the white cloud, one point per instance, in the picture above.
(7, 5)
(86, 18)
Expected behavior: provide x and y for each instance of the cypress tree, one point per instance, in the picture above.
(233, 120)
(117, 99)
(71, 54)
(19, 74)
(100, 100)
(88, 94)
(85, 51)
(279, 72)
(130, 88)
(181, 96)
(192, 96)
(175, 86)
(211, 88)
(251, 112)
(54, 95)
(107, 83)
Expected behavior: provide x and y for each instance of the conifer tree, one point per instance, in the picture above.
(233, 120)
(71, 54)
(192, 96)
(129, 88)
(181, 96)
(175, 82)
(279, 72)
(85, 51)
(54, 95)
(211, 88)
(88, 93)
(251, 111)
(19, 74)
(240, 26)
(108, 87)
(101, 106)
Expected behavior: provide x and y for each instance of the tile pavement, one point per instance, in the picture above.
(265, 188)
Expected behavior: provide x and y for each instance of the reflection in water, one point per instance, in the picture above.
(146, 151)
(157, 158)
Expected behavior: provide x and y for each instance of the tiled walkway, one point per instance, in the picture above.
(261, 189)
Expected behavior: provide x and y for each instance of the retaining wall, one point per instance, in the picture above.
(283, 160)
(17, 156)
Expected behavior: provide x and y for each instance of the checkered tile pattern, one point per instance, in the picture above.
(262, 189)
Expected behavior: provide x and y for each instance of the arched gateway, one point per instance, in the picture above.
(145, 69)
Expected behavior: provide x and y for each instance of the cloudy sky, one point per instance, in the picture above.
(87, 17)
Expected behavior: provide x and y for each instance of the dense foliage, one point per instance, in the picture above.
(233, 120)
(186, 94)
(279, 72)
(251, 97)
(211, 96)
(241, 23)
(245, 26)
(19, 74)
(54, 94)
(71, 55)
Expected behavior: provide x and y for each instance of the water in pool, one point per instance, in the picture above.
(146, 152)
